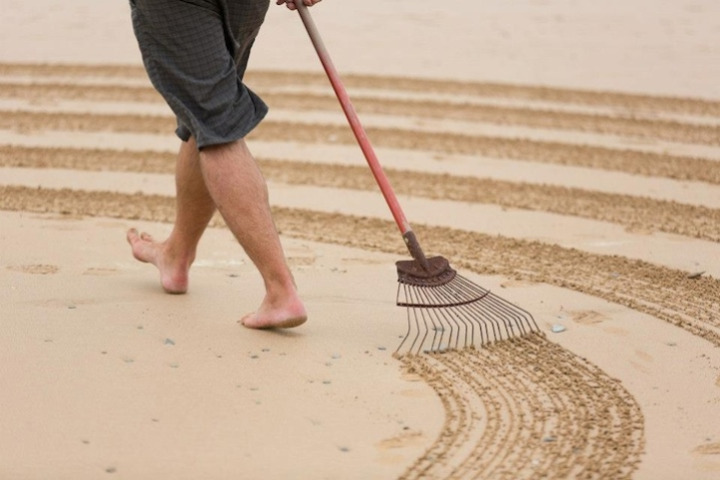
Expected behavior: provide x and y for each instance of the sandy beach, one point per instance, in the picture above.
(563, 155)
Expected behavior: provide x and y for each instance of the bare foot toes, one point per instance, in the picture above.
(173, 272)
(143, 247)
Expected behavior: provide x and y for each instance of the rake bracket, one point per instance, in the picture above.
(437, 273)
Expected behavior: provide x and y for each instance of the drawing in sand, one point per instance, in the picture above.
(590, 200)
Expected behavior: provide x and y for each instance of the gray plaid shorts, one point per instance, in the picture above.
(195, 53)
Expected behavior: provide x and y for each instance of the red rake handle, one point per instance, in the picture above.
(362, 138)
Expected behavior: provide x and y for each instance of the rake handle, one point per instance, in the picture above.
(380, 177)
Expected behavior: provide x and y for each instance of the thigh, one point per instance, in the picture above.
(244, 20)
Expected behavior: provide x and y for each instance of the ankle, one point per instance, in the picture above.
(178, 255)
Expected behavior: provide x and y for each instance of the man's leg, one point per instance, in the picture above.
(194, 209)
(240, 193)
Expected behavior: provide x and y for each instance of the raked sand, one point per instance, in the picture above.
(562, 154)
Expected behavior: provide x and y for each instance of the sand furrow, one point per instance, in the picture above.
(637, 213)
(639, 285)
(624, 126)
(589, 425)
(624, 160)
(650, 103)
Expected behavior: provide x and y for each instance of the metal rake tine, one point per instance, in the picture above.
(507, 310)
(523, 317)
(466, 314)
(477, 312)
(467, 311)
(413, 300)
(496, 313)
(425, 299)
(407, 335)
(472, 291)
(432, 299)
(411, 313)
(451, 316)
(498, 307)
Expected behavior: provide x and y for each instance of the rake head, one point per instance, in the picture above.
(447, 311)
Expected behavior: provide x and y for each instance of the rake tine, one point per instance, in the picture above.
(495, 309)
(505, 308)
(426, 299)
(523, 316)
(407, 335)
(492, 311)
(411, 315)
(433, 300)
(477, 313)
(441, 298)
(467, 316)
(476, 317)
(417, 323)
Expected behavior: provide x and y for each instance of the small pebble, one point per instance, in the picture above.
(169, 341)
(344, 449)
(549, 439)
(557, 328)
(382, 348)
(111, 470)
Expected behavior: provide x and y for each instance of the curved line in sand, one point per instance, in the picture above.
(633, 212)
(654, 103)
(625, 160)
(529, 409)
(619, 125)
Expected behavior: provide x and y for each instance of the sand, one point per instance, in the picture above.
(564, 155)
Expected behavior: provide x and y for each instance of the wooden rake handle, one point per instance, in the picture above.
(362, 138)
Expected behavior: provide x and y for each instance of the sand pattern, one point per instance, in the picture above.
(527, 409)
(543, 412)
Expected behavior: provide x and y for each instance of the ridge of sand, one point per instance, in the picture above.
(633, 212)
(631, 161)
(666, 103)
(633, 126)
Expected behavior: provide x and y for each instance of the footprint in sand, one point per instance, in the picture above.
(35, 269)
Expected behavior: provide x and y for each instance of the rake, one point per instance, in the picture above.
(445, 310)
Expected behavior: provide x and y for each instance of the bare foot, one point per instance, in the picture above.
(287, 313)
(173, 273)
